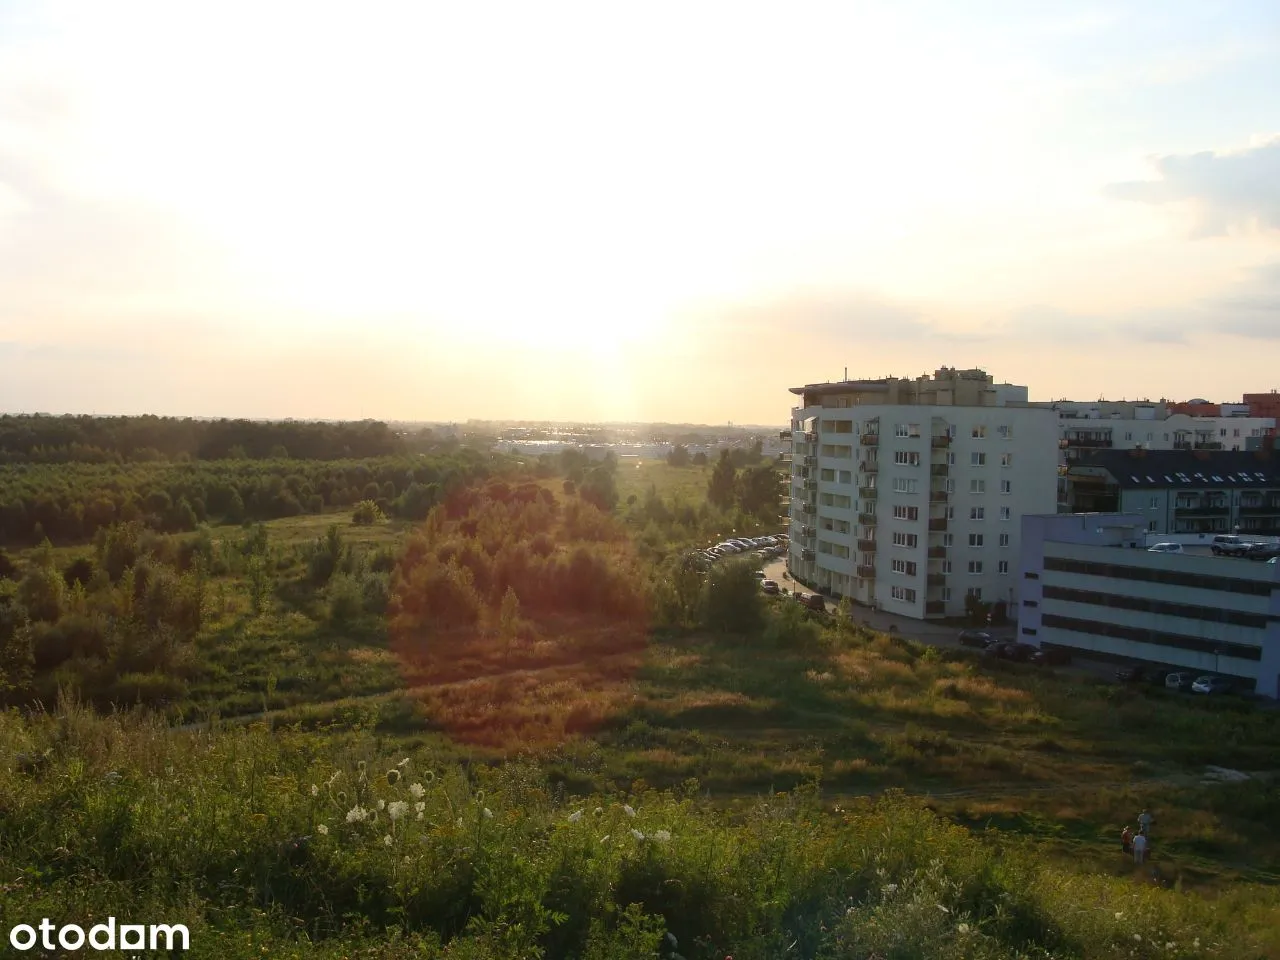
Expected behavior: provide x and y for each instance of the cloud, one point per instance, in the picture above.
(1230, 190)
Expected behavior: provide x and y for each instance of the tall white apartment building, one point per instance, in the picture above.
(908, 495)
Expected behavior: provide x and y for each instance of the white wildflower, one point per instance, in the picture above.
(382, 804)
(890, 888)
(1137, 937)
(637, 834)
(1170, 945)
(458, 822)
(397, 809)
(575, 816)
(942, 908)
(488, 814)
(403, 763)
(662, 836)
(323, 830)
(1119, 914)
(628, 810)
(357, 814)
(417, 790)
(315, 791)
(387, 840)
(963, 928)
(605, 838)
(598, 810)
(420, 807)
(421, 814)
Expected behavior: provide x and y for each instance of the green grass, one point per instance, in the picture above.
(688, 484)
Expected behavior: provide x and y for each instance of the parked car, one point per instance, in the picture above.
(975, 638)
(1211, 684)
(996, 650)
(1273, 559)
(1263, 551)
(1131, 674)
(1021, 652)
(1229, 545)
(758, 574)
(1052, 656)
(1179, 681)
(1165, 548)
(769, 586)
(813, 601)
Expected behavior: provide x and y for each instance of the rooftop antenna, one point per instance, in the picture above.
(846, 374)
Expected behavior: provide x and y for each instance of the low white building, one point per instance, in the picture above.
(907, 494)
(1088, 585)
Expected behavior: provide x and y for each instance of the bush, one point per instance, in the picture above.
(345, 598)
(732, 602)
(367, 512)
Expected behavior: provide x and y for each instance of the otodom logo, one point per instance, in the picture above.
(101, 937)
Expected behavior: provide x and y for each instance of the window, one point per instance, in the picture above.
(1005, 513)
(907, 430)
(975, 592)
(907, 567)
(950, 485)
(1031, 603)
(846, 476)
(946, 566)
(1006, 459)
(979, 432)
(1155, 503)
(901, 539)
(1006, 486)
(1002, 567)
(975, 539)
(1028, 631)
(946, 593)
(1149, 437)
(1005, 431)
(905, 485)
(1031, 576)
(827, 475)
(1128, 436)
(948, 539)
(1151, 527)
(1004, 539)
(1223, 432)
(951, 458)
(977, 459)
(977, 513)
(977, 485)
(975, 566)
(905, 594)
(905, 513)
(1235, 432)
(842, 526)
(906, 458)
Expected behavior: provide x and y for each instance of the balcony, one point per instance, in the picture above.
(869, 439)
(808, 531)
(939, 470)
(867, 546)
(785, 435)
(808, 556)
(1182, 444)
(940, 442)
(869, 519)
(869, 466)
(1208, 445)
(938, 496)
(936, 580)
(811, 461)
(937, 553)
(1099, 442)
(866, 571)
(811, 436)
(1202, 510)
(934, 608)
(867, 493)
(1254, 509)
(938, 523)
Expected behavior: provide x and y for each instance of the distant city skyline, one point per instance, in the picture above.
(587, 212)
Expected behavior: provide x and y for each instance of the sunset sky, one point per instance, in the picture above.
(649, 211)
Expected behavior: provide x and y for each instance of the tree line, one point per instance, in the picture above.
(41, 438)
(71, 502)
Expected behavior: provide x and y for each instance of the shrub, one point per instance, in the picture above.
(345, 598)
(367, 512)
(732, 601)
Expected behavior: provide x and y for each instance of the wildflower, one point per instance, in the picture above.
(1170, 946)
(488, 814)
(1137, 937)
(323, 830)
(890, 888)
(334, 778)
(393, 777)
(662, 836)
(382, 804)
(419, 806)
(575, 816)
(386, 841)
(357, 814)
(397, 809)
(1119, 915)
(637, 834)
(963, 928)
(942, 908)
(420, 815)
(417, 790)
(315, 791)
(629, 810)
(112, 776)
(598, 810)
(403, 763)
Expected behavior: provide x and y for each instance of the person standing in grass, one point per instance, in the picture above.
(1139, 848)
(1144, 823)
(1126, 839)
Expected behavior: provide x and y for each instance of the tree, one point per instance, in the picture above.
(679, 456)
(367, 512)
(509, 617)
(600, 488)
(759, 491)
(721, 488)
(732, 603)
(700, 459)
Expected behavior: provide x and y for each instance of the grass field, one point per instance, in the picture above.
(688, 484)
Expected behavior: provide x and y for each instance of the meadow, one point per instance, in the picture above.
(429, 739)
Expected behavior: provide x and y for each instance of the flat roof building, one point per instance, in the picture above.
(1087, 586)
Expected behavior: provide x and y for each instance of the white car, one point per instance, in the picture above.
(1273, 559)
(1165, 548)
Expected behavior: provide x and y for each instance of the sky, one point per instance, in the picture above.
(652, 211)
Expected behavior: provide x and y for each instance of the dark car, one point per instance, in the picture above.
(974, 638)
(997, 650)
(1131, 674)
(1021, 652)
(815, 602)
(1051, 656)
(1262, 551)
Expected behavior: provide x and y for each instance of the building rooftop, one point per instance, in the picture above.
(1156, 469)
